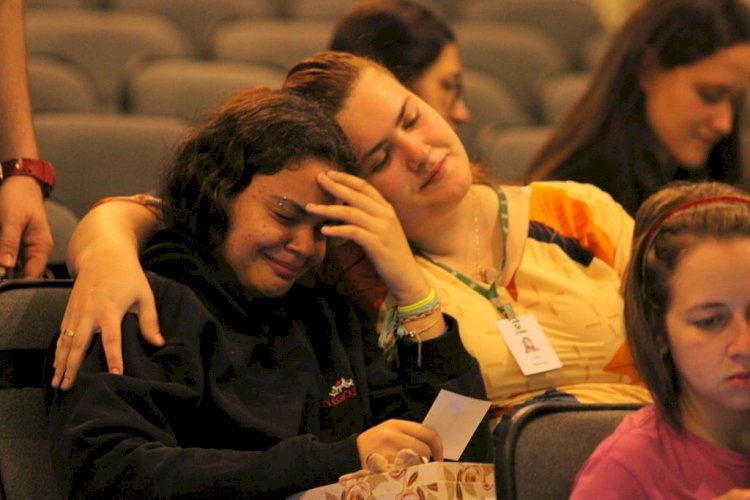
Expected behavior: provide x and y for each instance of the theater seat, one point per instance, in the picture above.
(540, 450)
(102, 43)
(507, 151)
(101, 154)
(30, 316)
(204, 85)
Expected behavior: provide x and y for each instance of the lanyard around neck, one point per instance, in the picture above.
(490, 292)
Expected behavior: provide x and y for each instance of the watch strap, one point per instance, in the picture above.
(41, 170)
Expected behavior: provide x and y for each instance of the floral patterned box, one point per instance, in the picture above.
(435, 480)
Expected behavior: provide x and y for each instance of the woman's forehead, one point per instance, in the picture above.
(374, 97)
(375, 81)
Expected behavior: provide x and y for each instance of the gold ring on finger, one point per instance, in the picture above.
(69, 332)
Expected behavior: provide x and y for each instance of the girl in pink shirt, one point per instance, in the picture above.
(687, 317)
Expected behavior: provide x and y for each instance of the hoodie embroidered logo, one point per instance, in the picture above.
(341, 390)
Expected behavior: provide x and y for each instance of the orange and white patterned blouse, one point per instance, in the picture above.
(569, 245)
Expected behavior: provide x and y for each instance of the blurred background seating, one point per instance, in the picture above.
(569, 23)
(98, 154)
(519, 56)
(507, 151)
(56, 85)
(102, 43)
(198, 18)
(558, 93)
(275, 42)
(526, 61)
(151, 86)
(492, 104)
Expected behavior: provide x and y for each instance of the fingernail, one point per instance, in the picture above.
(55, 381)
(6, 260)
(115, 371)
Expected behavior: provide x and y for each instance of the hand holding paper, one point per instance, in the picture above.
(455, 418)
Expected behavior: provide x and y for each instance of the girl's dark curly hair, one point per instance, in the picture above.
(258, 131)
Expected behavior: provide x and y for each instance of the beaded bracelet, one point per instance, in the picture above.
(396, 317)
(394, 327)
(415, 335)
(413, 317)
(418, 304)
(420, 307)
(152, 203)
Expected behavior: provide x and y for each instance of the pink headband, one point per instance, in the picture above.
(690, 204)
(678, 209)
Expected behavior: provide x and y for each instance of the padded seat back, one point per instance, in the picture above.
(30, 316)
(204, 85)
(101, 154)
(102, 43)
(278, 43)
(540, 450)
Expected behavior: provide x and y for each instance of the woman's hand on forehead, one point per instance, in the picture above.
(367, 219)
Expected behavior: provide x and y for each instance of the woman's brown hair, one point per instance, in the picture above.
(606, 129)
(403, 35)
(668, 225)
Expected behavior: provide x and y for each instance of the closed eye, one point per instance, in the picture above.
(711, 323)
(711, 96)
(287, 220)
(383, 161)
(412, 121)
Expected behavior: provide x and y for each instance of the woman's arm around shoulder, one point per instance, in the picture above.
(167, 427)
(103, 256)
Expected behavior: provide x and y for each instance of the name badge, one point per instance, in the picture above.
(528, 344)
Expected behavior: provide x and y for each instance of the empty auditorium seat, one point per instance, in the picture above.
(507, 151)
(105, 154)
(335, 9)
(490, 102)
(540, 450)
(594, 48)
(62, 222)
(319, 9)
(102, 42)
(190, 88)
(197, 18)
(558, 93)
(30, 316)
(570, 23)
(520, 56)
(278, 43)
(56, 85)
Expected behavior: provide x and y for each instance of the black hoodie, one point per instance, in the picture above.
(249, 397)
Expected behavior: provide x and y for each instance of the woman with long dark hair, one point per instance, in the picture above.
(664, 103)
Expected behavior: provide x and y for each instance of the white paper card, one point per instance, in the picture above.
(528, 344)
(455, 418)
